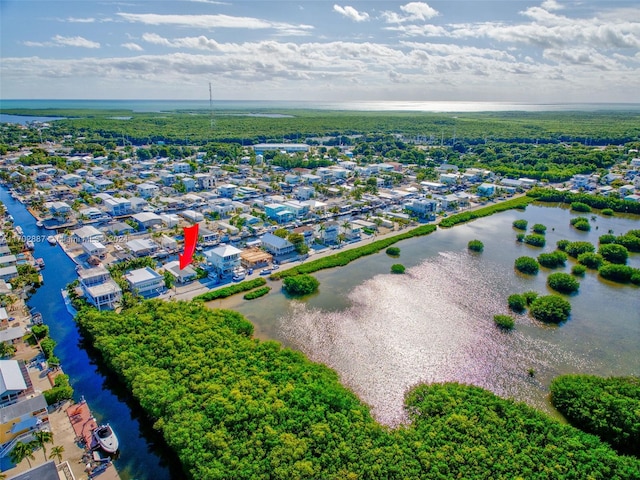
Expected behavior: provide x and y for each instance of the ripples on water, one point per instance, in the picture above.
(433, 324)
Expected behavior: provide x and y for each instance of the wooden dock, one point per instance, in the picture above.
(82, 422)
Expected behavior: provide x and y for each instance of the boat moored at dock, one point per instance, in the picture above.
(106, 438)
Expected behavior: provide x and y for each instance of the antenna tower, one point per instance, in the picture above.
(211, 105)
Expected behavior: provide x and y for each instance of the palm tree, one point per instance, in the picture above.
(56, 452)
(22, 451)
(41, 439)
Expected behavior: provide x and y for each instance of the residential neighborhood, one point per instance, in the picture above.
(251, 214)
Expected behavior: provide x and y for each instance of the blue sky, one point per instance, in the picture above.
(544, 51)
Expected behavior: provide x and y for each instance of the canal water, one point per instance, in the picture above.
(384, 333)
(143, 455)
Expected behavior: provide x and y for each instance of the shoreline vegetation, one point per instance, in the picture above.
(232, 406)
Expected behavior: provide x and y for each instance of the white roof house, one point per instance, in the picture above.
(11, 379)
(276, 245)
(141, 246)
(182, 276)
(224, 259)
(87, 233)
(147, 219)
(145, 281)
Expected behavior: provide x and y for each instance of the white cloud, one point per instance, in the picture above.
(215, 21)
(132, 46)
(411, 12)
(75, 42)
(60, 41)
(351, 13)
(80, 20)
(551, 5)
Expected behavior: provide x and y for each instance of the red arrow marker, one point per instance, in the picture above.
(190, 239)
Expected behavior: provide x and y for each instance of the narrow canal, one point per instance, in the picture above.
(143, 455)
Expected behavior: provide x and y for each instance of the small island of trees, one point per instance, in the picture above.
(505, 322)
(397, 268)
(527, 265)
(300, 285)
(552, 260)
(475, 246)
(550, 309)
(581, 223)
(520, 224)
(563, 282)
(393, 251)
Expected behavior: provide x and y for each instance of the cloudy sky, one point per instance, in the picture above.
(538, 51)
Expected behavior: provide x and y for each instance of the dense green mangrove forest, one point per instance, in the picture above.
(235, 407)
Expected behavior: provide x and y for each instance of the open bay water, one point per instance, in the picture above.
(384, 333)
(143, 455)
(407, 106)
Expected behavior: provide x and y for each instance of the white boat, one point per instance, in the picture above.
(52, 240)
(39, 224)
(106, 438)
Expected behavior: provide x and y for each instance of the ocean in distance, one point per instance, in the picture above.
(373, 106)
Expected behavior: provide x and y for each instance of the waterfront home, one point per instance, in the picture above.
(275, 245)
(486, 190)
(148, 190)
(91, 213)
(192, 216)
(138, 204)
(187, 274)
(7, 260)
(170, 220)
(223, 259)
(168, 243)
(423, 208)
(7, 273)
(99, 289)
(14, 380)
(18, 421)
(95, 248)
(228, 228)
(328, 232)
(118, 228)
(87, 233)
(58, 208)
(352, 231)
(279, 212)
(117, 206)
(147, 220)
(141, 247)
(206, 236)
(145, 281)
(307, 232)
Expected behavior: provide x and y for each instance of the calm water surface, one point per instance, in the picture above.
(384, 333)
